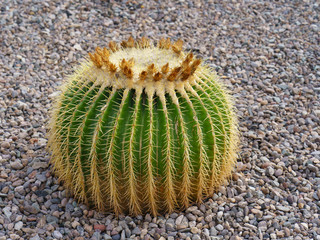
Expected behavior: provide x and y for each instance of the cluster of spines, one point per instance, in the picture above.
(189, 64)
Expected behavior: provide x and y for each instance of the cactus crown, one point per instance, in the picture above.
(162, 68)
(143, 128)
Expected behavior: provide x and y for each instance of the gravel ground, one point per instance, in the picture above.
(269, 55)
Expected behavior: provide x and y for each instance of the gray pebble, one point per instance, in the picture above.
(270, 171)
(16, 165)
(263, 226)
(57, 234)
(18, 225)
(219, 227)
(36, 237)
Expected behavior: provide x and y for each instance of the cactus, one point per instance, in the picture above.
(142, 127)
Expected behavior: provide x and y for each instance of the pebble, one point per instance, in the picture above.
(219, 227)
(57, 234)
(270, 171)
(36, 237)
(5, 144)
(283, 208)
(263, 226)
(18, 225)
(99, 227)
(136, 231)
(7, 212)
(278, 172)
(41, 177)
(16, 165)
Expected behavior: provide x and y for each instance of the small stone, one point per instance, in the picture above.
(256, 64)
(219, 227)
(57, 234)
(55, 56)
(148, 217)
(5, 144)
(54, 94)
(213, 231)
(77, 47)
(196, 237)
(273, 236)
(278, 172)
(87, 228)
(194, 230)
(280, 234)
(16, 165)
(263, 226)
(7, 212)
(170, 227)
(283, 208)
(77, 213)
(37, 165)
(18, 225)
(3, 175)
(96, 236)
(5, 190)
(75, 224)
(257, 212)
(56, 214)
(14, 94)
(181, 224)
(14, 236)
(51, 219)
(235, 238)
(41, 177)
(107, 237)
(116, 237)
(69, 207)
(22, 105)
(10, 226)
(36, 237)
(136, 231)
(110, 227)
(208, 218)
(64, 202)
(99, 227)
(305, 226)
(314, 27)
(179, 219)
(30, 209)
(270, 171)
(191, 217)
(312, 168)
(20, 190)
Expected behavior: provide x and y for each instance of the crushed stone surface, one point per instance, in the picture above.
(269, 56)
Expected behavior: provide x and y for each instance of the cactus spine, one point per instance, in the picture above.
(143, 128)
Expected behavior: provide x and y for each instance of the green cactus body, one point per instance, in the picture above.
(141, 128)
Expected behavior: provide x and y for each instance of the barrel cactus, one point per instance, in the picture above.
(142, 127)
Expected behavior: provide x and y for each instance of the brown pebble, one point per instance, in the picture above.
(31, 219)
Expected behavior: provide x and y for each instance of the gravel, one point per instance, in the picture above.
(268, 54)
